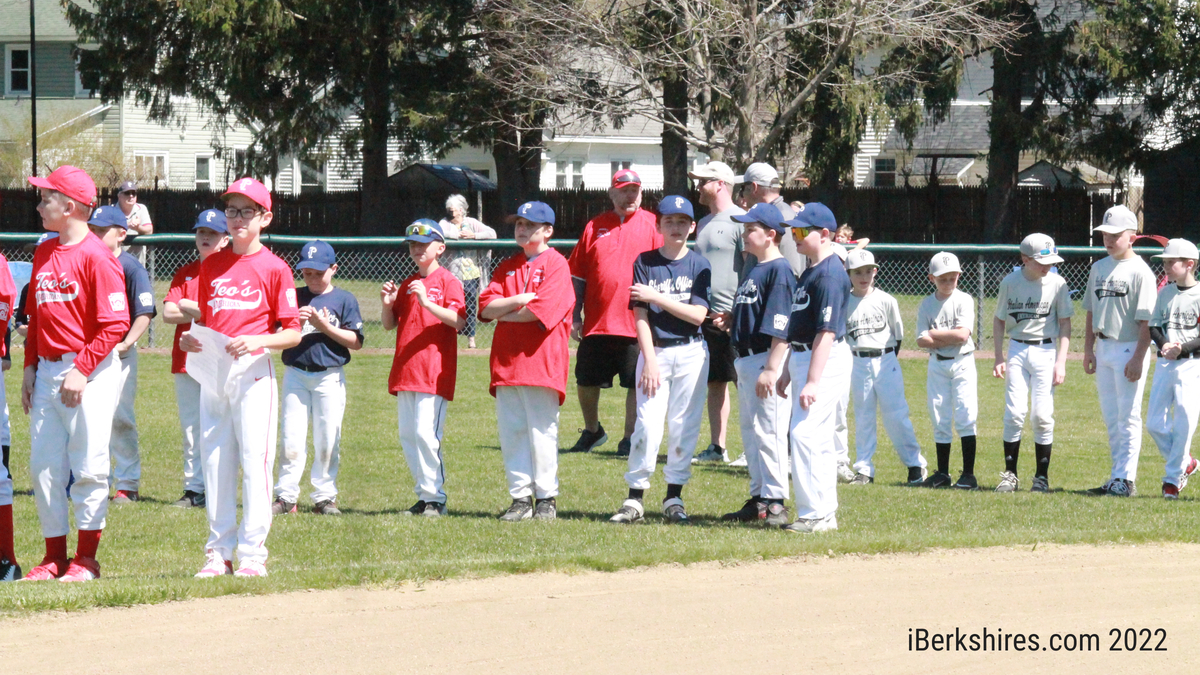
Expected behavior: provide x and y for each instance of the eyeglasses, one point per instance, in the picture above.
(246, 213)
(131, 193)
(422, 230)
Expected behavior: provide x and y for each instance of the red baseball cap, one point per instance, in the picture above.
(625, 177)
(251, 188)
(71, 181)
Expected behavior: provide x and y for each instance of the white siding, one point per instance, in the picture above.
(868, 148)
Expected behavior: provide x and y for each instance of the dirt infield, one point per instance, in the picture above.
(798, 615)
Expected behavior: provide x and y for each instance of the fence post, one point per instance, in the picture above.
(150, 268)
(979, 304)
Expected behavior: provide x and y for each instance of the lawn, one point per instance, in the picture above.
(151, 550)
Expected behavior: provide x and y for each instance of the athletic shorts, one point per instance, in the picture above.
(600, 357)
(721, 353)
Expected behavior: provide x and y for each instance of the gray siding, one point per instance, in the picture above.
(55, 69)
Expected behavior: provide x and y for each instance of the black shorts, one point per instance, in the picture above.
(600, 357)
(721, 353)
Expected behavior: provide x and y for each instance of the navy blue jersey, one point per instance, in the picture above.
(820, 302)
(762, 305)
(316, 349)
(139, 293)
(686, 280)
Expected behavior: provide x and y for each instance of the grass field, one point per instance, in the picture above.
(150, 550)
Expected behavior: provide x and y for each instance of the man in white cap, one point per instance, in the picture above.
(760, 185)
(719, 240)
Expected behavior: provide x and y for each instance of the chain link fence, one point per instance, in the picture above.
(364, 264)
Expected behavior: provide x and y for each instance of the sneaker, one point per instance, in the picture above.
(589, 440)
(674, 511)
(754, 510)
(713, 453)
(630, 512)
(1122, 487)
(520, 509)
(844, 472)
(434, 509)
(9, 571)
(862, 479)
(1192, 465)
(215, 566)
(282, 506)
(917, 475)
(938, 480)
(623, 447)
(812, 525)
(251, 568)
(1103, 489)
(966, 482)
(417, 509)
(1040, 484)
(48, 569)
(81, 569)
(777, 514)
(1008, 482)
(546, 509)
(1170, 491)
(740, 461)
(189, 500)
(125, 497)
(326, 507)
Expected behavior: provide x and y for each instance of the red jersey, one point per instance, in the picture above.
(8, 298)
(247, 294)
(426, 358)
(76, 303)
(185, 284)
(532, 354)
(604, 259)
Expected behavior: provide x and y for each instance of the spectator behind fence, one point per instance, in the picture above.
(467, 266)
(138, 218)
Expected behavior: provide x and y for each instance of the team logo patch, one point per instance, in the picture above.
(602, 232)
(827, 313)
(4, 308)
(146, 299)
(290, 294)
(780, 322)
(116, 301)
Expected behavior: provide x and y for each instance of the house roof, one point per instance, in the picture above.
(946, 166)
(49, 18)
(1071, 174)
(52, 113)
(964, 131)
(440, 177)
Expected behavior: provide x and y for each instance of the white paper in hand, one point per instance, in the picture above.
(209, 367)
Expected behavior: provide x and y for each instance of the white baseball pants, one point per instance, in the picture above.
(187, 400)
(841, 430)
(422, 418)
(126, 457)
(951, 388)
(320, 397)
(814, 457)
(1174, 410)
(879, 382)
(1030, 375)
(71, 440)
(238, 431)
(5, 429)
(1121, 404)
(527, 419)
(765, 423)
(680, 399)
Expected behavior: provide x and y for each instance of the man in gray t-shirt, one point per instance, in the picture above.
(760, 185)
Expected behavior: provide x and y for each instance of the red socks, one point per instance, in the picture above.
(6, 534)
(89, 541)
(56, 548)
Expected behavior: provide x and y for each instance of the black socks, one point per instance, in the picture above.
(1012, 450)
(674, 491)
(968, 449)
(1042, 452)
(943, 457)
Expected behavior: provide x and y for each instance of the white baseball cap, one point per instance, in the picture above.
(760, 173)
(944, 262)
(1118, 219)
(1041, 248)
(860, 257)
(1179, 248)
(714, 171)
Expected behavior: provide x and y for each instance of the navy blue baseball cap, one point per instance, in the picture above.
(536, 212)
(764, 214)
(675, 204)
(424, 231)
(109, 216)
(316, 255)
(814, 215)
(213, 219)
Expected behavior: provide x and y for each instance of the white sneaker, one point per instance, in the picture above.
(813, 525)
(1008, 482)
(713, 453)
(845, 473)
(630, 512)
(251, 568)
(215, 566)
(740, 461)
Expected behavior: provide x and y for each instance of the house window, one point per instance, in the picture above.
(87, 73)
(151, 168)
(618, 164)
(568, 173)
(17, 72)
(312, 177)
(203, 173)
(885, 172)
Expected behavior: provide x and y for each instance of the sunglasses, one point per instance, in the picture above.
(1052, 250)
(246, 213)
(802, 232)
(131, 193)
(422, 230)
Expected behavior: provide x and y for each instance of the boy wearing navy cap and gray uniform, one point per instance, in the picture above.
(758, 330)
(820, 368)
(314, 383)
(669, 299)
(110, 224)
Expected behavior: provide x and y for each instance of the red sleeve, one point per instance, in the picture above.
(108, 287)
(284, 307)
(580, 262)
(31, 342)
(493, 292)
(453, 295)
(555, 296)
(8, 300)
(177, 290)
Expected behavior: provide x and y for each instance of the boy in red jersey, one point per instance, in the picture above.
(531, 299)
(9, 569)
(245, 293)
(181, 308)
(77, 315)
(429, 308)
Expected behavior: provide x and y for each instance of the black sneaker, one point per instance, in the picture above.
(190, 499)
(546, 509)
(623, 447)
(674, 511)
(777, 514)
(589, 440)
(938, 480)
(417, 509)
(754, 510)
(521, 509)
(966, 482)
(326, 507)
(1103, 489)
(917, 475)
(9, 571)
(434, 509)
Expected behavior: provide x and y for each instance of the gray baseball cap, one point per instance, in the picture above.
(1118, 219)
(860, 257)
(760, 173)
(944, 262)
(1041, 248)
(1179, 248)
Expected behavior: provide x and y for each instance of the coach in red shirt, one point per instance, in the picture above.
(602, 272)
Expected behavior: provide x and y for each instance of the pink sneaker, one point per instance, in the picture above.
(1192, 465)
(251, 568)
(215, 566)
(47, 570)
(125, 497)
(82, 569)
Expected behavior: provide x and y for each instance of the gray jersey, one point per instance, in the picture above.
(1177, 313)
(956, 311)
(1030, 310)
(719, 240)
(873, 322)
(1119, 294)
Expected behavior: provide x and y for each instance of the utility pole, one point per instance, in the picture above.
(33, 90)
